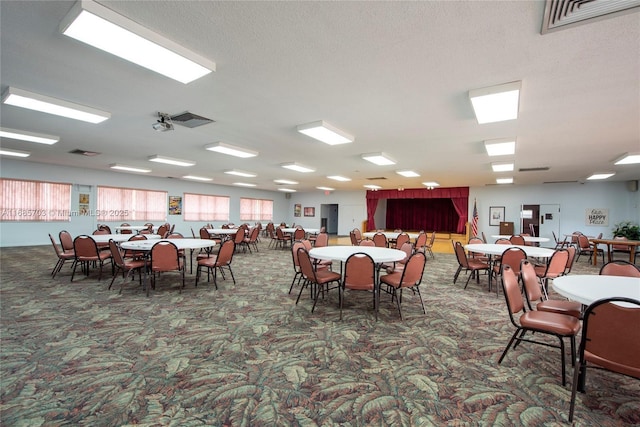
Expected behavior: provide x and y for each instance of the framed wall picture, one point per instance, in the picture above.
(496, 215)
(310, 211)
(297, 209)
(175, 205)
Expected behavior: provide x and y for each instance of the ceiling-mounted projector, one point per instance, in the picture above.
(163, 124)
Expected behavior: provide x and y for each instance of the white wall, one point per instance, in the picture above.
(574, 199)
(86, 180)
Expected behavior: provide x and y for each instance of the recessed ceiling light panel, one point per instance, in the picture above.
(46, 104)
(23, 135)
(502, 167)
(14, 153)
(496, 103)
(380, 159)
(231, 150)
(125, 168)
(285, 181)
(326, 188)
(408, 173)
(100, 27)
(500, 147)
(504, 180)
(372, 186)
(241, 173)
(325, 132)
(197, 178)
(339, 178)
(298, 167)
(628, 159)
(171, 161)
(431, 184)
(601, 175)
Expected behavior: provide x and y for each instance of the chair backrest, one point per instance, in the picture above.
(532, 290)
(104, 227)
(532, 229)
(225, 253)
(407, 248)
(306, 266)
(306, 244)
(85, 247)
(475, 240)
(366, 243)
(413, 270)
(100, 231)
(298, 234)
(175, 236)
(620, 247)
(204, 234)
(115, 253)
(484, 238)
(322, 239)
(239, 236)
(512, 257)
(55, 246)
(380, 240)
(358, 234)
(503, 241)
(432, 239)
(162, 230)
(512, 294)
(583, 242)
(557, 263)
(517, 240)
(610, 335)
(571, 250)
(461, 255)
(137, 237)
(402, 239)
(66, 240)
(164, 256)
(255, 233)
(620, 268)
(352, 237)
(294, 253)
(279, 233)
(421, 240)
(359, 272)
(555, 238)
(125, 224)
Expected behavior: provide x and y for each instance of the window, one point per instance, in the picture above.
(203, 207)
(34, 200)
(130, 204)
(256, 210)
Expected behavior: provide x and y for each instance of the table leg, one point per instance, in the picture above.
(632, 254)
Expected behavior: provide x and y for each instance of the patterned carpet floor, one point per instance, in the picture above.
(77, 354)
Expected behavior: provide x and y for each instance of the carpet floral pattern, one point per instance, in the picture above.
(77, 354)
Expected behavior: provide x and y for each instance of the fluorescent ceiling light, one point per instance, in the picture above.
(14, 153)
(119, 167)
(231, 150)
(287, 190)
(285, 181)
(500, 147)
(502, 167)
(107, 30)
(504, 180)
(339, 178)
(601, 175)
(431, 184)
(297, 167)
(326, 188)
(241, 173)
(628, 159)
(496, 103)
(244, 184)
(325, 132)
(197, 178)
(380, 159)
(408, 173)
(46, 104)
(372, 186)
(24, 135)
(171, 161)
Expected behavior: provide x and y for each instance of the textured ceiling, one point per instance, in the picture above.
(394, 74)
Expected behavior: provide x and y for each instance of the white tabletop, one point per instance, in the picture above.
(341, 253)
(146, 245)
(222, 230)
(306, 230)
(530, 239)
(588, 288)
(104, 238)
(496, 249)
(389, 234)
(131, 227)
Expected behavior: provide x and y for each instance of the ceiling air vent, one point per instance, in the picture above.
(84, 152)
(538, 169)
(190, 120)
(560, 14)
(376, 178)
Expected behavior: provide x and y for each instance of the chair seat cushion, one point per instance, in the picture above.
(209, 261)
(550, 322)
(570, 308)
(325, 276)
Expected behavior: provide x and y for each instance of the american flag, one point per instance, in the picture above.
(474, 221)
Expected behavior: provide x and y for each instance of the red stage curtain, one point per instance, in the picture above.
(372, 204)
(459, 197)
(422, 214)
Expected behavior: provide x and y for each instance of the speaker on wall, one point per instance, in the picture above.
(287, 195)
(632, 185)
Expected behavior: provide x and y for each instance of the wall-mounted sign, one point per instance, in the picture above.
(596, 217)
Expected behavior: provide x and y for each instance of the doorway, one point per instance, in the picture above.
(545, 220)
(329, 218)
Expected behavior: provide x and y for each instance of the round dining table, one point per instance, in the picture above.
(391, 235)
(588, 288)
(528, 239)
(497, 249)
(104, 238)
